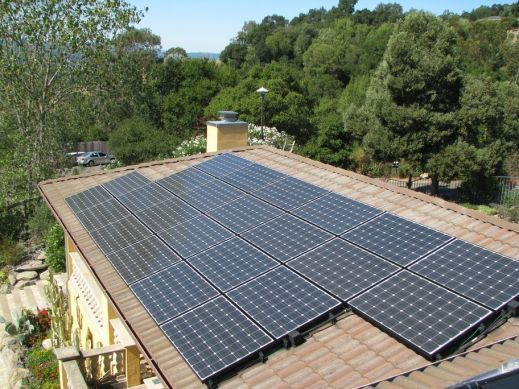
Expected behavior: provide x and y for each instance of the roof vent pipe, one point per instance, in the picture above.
(228, 116)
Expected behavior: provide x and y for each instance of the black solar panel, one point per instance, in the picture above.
(167, 214)
(185, 180)
(286, 236)
(214, 337)
(343, 269)
(244, 213)
(231, 263)
(423, 314)
(253, 177)
(100, 215)
(336, 213)
(282, 301)
(211, 195)
(195, 235)
(172, 291)
(223, 165)
(397, 239)
(289, 193)
(88, 198)
(142, 259)
(119, 234)
(145, 197)
(127, 183)
(481, 275)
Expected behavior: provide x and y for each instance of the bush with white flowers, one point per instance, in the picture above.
(195, 145)
(271, 137)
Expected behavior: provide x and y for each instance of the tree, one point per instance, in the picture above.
(50, 53)
(414, 97)
(175, 53)
(136, 140)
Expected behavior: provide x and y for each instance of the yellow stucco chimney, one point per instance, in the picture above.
(226, 133)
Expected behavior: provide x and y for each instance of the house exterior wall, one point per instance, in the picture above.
(90, 309)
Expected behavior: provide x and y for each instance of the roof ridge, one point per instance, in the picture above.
(404, 191)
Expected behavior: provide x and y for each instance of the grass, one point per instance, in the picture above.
(483, 208)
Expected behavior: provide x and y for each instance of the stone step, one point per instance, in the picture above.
(30, 297)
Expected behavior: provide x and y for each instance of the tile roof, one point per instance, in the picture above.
(350, 353)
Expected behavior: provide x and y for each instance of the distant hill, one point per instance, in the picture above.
(211, 56)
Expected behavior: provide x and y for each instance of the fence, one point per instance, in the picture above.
(447, 190)
(506, 188)
(95, 145)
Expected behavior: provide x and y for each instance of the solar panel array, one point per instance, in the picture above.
(229, 257)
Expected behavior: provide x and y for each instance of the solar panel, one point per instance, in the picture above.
(397, 239)
(289, 193)
(119, 234)
(231, 263)
(195, 235)
(336, 213)
(422, 314)
(481, 275)
(286, 236)
(172, 291)
(142, 259)
(127, 183)
(88, 198)
(144, 197)
(214, 337)
(244, 213)
(100, 215)
(167, 214)
(223, 165)
(211, 195)
(342, 269)
(253, 177)
(185, 180)
(282, 301)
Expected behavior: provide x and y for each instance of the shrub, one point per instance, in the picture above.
(55, 249)
(40, 223)
(30, 328)
(43, 368)
(136, 140)
(11, 252)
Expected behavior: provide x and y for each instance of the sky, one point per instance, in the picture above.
(209, 25)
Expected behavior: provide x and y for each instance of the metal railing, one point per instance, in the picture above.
(507, 190)
(446, 190)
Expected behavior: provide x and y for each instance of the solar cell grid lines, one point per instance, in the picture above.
(397, 239)
(289, 193)
(142, 259)
(195, 235)
(145, 197)
(211, 195)
(215, 336)
(282, 301)
(424, 314)
(286, 237)
(167, 214)
(223, 165)
(100, 215)
(172, 291)
(253, 177)
(244, 213)
(127, 183)
(185, 180)
(343, 269)
(231, 263)
(87, 198)
(120, 234)
(336, 213)
(481, 275)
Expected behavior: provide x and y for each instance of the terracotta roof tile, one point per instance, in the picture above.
(350, 353)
